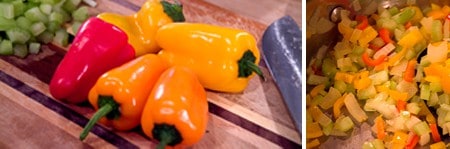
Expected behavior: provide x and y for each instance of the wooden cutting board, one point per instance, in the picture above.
(31, 118)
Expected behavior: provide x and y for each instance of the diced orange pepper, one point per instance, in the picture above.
(399, 140)
(401, 105)
(436, 14)
(370, 62)
(362, 83)
(397, 95)
(381, 67)
(379, 124)
(410, 70)
(315, 91)
(313, 130)
(338, 105)
(346, 77)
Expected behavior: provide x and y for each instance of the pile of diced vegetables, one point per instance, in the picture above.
(390, 69)
(27, 24)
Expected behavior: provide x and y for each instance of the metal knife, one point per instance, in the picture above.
(281, 44)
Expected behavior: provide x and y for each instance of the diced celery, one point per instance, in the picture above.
(444, 99)
(340, 86)
(329, 67)
(327, 129)
(354, 108)
(317, 100)
(378, 42)
(37, 28)
(61, 37)
(71, 5)
(425, 92)
(34, 47)
(6, 24)
(344, 124)
(52, 2)
(20, 50)
(316, 80)
(379, 77)
(34, 14)
(46, 8)
(410, 54)
(387, 23)
(344, 64)
(319, 116)
(19, 7)
(7, 10)
(330, 98)
(18, 35)
(378, 144)
(23, 22)
(45, 37)
(393, 10)
(81, 14)
(404, 16)
(53, 26)
(367, 93)
(350, 89)
(56, 17)
(408, 87)
(6, 47)
(436, 31)
(435, 87)
(76, 25)
(421, 128)
(398, 34)
(413, 108)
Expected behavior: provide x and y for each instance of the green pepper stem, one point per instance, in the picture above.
(166, 138)
(255, 69)
(174, 11)
(103, 111)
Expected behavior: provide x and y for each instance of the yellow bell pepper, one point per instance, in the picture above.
(368, 34)
(438, 145)
(313, 130)
(346, 77)
(141, 27)
(224, 59)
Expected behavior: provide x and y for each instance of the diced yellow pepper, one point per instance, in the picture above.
(346, 77)
(436, 14)
(438, 145)
(410, 39)
(396, 58)
(338, 105)
(345, 30)
(399, 140)
(397, 95)
(417, 15)
(315, 91)
(312, 144)
(435, 6)
(355, 35)
(368, 35)
(382, 88)
(433, 79)
(362, 83)
(313, 130)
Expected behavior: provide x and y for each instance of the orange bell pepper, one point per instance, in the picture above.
(176, 112)
(121, 93)
(369, 62)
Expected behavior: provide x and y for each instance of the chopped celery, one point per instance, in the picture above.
(34, 47)
(319, 116)
(20, 50)
(421, 128)
(53, 26)
(354, 109)
(317, 100)
(425, 92)
(330, 98)
(404, 16)
(316, 80)
(37, 28)
(81, 14)
(444, 99)
(71, 5)
(410, 54)
(61, 37)
(18, 35)
(7, 10)
(50, 1)
(413, 108)
(368, 145)
(436, 31)
(367, 93)
(329, 67)
(393, 10)
(23, 22)
(45, 37)
(343, 124)
(435, 87)
(6, 24)
(344, 64)
(46, 8)
(34, 14)
(56, 17)
(340, 86)
(6, 47)
(19, 7)
(76, 25)
(327, 129)
(379, 77)
(378, 144)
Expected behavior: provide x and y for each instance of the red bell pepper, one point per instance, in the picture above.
(97, 48)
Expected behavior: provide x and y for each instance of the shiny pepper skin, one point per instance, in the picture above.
(141, 27)
(224, 59)
(178, 107)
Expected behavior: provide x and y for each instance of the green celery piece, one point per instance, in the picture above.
(81, 14)
(35, 14)
(329, 68)
(6, 47)
(56, 17)
(37, 28)
(53, 26)
(61, 37)
(378, 144)
(6, 10)
(23, 22)
(340, 85)
(34, 47)
(18, 35)
(404, 16)
(46, 8)
(436, 31)
(421, 128)
(425, 92)
(20, 50)
(45, 37)
(76, 26)
(316, 80)
(6, 24)
(393, 10)
(19, 7)
(52, 2)
(344, 124)
(71, 5)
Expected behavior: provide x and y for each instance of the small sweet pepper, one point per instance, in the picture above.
(141, 27)
(121, 93)
(97, 48)
(223, 58)
(176, 112)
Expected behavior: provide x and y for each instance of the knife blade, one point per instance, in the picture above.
(281, 44)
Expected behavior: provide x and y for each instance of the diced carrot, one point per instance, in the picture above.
(401, 105)
(410, 70)
(379, 124)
